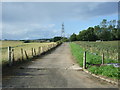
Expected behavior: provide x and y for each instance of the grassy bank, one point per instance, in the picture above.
(92, 58)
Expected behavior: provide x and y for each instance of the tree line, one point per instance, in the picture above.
(106, 30)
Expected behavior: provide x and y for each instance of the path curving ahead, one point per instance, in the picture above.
(54, 70)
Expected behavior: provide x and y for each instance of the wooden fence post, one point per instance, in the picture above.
(103, 58)
(22, 53)
(84, 60)
(32, 52)
(35, 51)
(41, 49)
(13, 59)
(26, 54)
(10, 56)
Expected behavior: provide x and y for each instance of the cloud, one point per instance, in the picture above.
(39, 19)
(43, 12)
(33, 31)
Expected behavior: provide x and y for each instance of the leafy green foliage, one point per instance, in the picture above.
(107, 30)
(55, 39)
(87, 35)
(73, 37)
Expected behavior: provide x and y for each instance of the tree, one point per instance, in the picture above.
(90, 34)
(87, 35)
(104, 23)
(65, 39)
(27, 41)
(55, 39)
(97, 31)
(73, 37)
(107, 30)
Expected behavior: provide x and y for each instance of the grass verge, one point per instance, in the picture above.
(107, 70)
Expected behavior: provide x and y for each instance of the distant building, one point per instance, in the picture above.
(98, 40)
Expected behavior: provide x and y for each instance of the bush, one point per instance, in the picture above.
(27, 41)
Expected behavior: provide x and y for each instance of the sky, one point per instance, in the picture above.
(36, 20)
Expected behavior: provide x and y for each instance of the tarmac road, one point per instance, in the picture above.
(54, 70)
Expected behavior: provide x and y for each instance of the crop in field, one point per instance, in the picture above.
(17, 45)
(109, 48)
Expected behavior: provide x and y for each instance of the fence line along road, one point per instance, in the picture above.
(25, 55)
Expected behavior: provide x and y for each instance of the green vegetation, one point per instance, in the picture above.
(77, 52)
(93, 60)
(109, 48)
(55, 39)
(73, 37)
(108, 71)
(107, 31)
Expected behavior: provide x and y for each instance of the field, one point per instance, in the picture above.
(109, 48)
(17, 45)
(94, 60)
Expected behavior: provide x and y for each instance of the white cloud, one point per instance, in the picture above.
(32, 31)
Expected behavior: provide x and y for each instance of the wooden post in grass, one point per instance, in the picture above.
(35, 51)
(26, 54)
(32, 52)
(103, 58)
(41, 49)
(13, 59)
(10, 56)
(22, 53)
(84, 60)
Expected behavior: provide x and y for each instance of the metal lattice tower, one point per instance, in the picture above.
(63, 32)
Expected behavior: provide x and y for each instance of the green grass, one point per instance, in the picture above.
(109, 71)
(77, 52)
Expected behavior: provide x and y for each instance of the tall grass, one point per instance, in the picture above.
(17, 45)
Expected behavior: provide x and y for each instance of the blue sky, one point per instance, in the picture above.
(34, 20)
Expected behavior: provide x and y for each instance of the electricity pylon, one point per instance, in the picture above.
(62, 32)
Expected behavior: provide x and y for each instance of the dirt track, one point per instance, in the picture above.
(53, 70)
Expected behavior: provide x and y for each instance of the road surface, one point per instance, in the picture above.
(54, 70)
